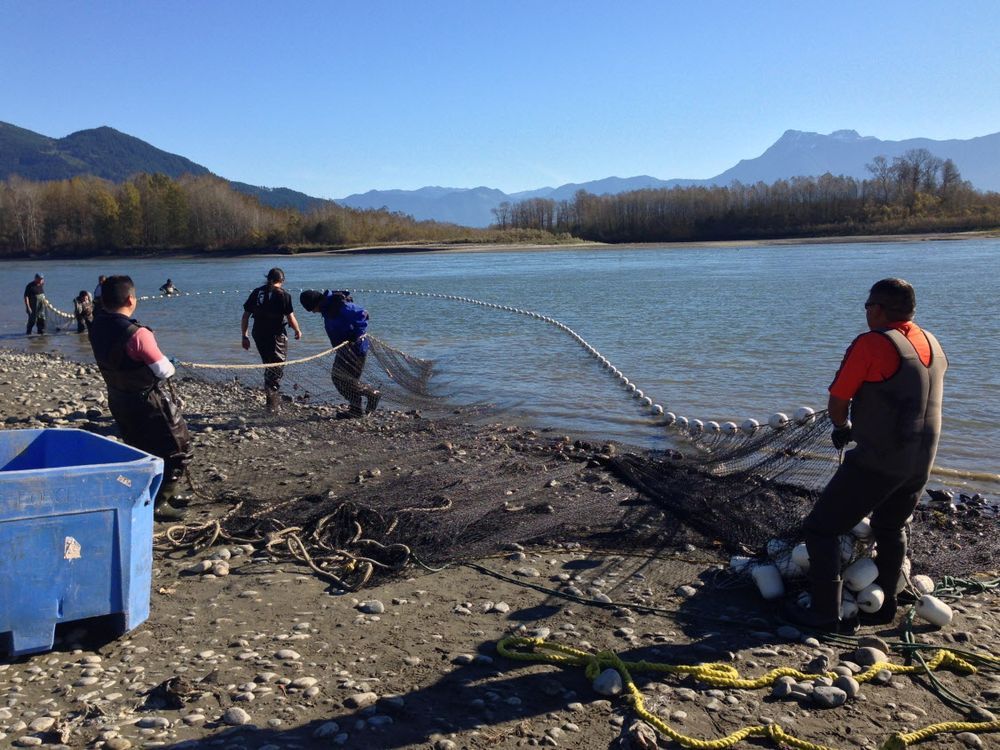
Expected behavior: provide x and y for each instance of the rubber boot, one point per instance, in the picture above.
(272, 400)
(164, 511)
(355, 409)
(373, 399)
(824, 612)
(163, 508)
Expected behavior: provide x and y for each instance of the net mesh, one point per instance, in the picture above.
(482, 487)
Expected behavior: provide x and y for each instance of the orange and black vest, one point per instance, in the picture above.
(108, 335)
(897, 422)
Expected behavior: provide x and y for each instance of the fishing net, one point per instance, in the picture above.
(733, 490)
(335, 376)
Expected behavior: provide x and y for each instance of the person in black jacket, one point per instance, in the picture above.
(34, 304)
(270, 306)
(136, 373)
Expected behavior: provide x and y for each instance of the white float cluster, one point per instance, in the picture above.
(691, 428)
(59, 312)
(786, 563)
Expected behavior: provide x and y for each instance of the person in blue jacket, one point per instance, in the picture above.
(345, 323)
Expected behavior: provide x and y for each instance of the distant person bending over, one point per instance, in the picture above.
(890, 383)
(136, 372)
(347, 322)
(83, 311)
(270, 306)
(34, 304)
(168, 288)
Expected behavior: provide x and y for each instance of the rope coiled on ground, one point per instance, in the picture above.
(519, 648)
(334, 546)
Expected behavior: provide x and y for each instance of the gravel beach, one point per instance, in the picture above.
(245, 649)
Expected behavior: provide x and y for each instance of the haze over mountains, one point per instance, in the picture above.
(110, 154)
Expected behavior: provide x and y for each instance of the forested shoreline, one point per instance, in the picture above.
(152, 213)
(915, 193)
(155, 214)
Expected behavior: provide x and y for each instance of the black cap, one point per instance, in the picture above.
(310, 298)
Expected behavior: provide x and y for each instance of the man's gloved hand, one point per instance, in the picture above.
(841, 436)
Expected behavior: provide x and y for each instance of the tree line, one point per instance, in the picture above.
(916, 192)
(152, 212)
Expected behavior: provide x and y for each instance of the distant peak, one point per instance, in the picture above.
(846, 135)
(101, 130)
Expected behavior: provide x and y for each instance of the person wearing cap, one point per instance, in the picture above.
(168, 288)
(345, 323)
(270, 306)
(139, 397)
(886, 398)
(34, 304)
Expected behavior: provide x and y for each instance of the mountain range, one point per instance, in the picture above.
(113, 155)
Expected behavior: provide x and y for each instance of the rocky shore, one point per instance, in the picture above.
(244, 649)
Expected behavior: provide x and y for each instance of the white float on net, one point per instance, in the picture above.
(804, 415)
(778, 421)
(768, 581)
(871, 598)
(860, 574)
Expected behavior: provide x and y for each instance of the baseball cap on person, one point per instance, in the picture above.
(310, 298)
(39, 276)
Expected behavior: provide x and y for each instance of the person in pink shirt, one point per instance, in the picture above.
(136, 372)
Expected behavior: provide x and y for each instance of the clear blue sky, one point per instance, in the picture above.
(334, 97)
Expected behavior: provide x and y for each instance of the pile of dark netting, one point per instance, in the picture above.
(950, 534)
(446, 487)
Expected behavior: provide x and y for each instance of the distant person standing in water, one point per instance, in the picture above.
(83, 311)
(98, 306)
(886, 398)
(345, 323)
(34, 304)
(270, 306)
(168, 288)
(136, 372)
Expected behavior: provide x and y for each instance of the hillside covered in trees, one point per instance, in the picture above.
(150, 212)
(916, 192)
(112, 155)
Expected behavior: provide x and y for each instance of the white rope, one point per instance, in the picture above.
(707, 433)
(694, 429)
(263, 365)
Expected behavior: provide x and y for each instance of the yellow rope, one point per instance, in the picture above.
(724, 675)
(900, 740)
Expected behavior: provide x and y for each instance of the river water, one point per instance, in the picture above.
(713, 333)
